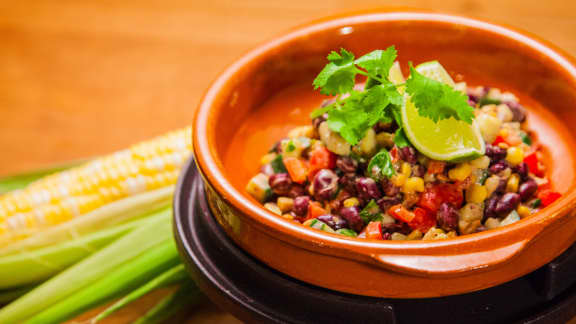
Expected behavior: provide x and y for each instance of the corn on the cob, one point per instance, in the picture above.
(60, 197)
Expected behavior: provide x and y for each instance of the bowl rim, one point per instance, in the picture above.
(213, 172)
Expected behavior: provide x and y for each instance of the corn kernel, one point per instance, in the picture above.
(523, 211)
(504, 132)
(491, 223)
(309, 222)
(406, 169)
(285, 204)
(398, 179)
(368, 143)
(480, 163)
(503, 145)
(385, 139)
(288, 216)
(476, 194)
(514, 155)
(267, 158)
(398, 236)
(492, 184)
(302, 131)
(512, 184)
(414, 235)
(460, 172)
(351, 202)
(413, 184)
(273, 208)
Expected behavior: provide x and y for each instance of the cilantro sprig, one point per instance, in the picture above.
(355, 111)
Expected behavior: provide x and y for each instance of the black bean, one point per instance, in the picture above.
(386, 236)
(507, 203)
(389, 188)
(396, 227)
(300, 206)
(447, 217)
(408, 154)
(348, 182)
(346, 164)
(319, 120)
(498, 167)
(334, 222)
(296, 190)
(386, 202)
(522, 170)
(418, 171)
(325, 184)
(490, 208)
(518, 111)
(501, 186)
(527, 189)
(495, 153)
(352, 216)
(367, 189)
(280, 183)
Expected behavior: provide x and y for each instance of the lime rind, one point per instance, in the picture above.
(446, 140)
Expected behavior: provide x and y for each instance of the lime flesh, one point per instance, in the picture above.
(446, 140)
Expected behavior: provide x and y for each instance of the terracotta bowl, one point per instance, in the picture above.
(245, 111)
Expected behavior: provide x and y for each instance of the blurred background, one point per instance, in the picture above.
(82, 78)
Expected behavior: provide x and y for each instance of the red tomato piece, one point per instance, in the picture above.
(297, 168)
(548, 196)
(374, 231)
(315, 210)
(499, 139)
(401, 213)
(436, 167)
(434, 196)
(423, 220)
(534, 164)
(320, 159)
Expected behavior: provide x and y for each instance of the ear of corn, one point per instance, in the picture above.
(64, 196)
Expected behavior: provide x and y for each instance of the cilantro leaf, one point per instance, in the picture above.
(278, 165)
(379, 165)
(400, 138)
(350, 118)
(371, 212)
(437, 100)
(378, 62)
(338, 76)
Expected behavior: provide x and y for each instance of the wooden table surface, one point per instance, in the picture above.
(82, 78)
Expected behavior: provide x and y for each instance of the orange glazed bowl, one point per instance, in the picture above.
(245, 111)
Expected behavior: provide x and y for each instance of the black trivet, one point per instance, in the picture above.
(254, 292)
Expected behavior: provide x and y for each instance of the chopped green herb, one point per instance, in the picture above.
(525, 138)
(290, 147)
(338, 76)
(380, 165)
(400, 138)
(437, 100)
(536, 203)
(488, 101)
(278, 165)
(347, 232)
(370, 212)
(482, 179)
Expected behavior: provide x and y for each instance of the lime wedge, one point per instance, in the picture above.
(395, 74)
(448, 139)
(435, 71)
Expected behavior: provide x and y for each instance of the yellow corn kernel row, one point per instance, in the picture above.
(64, 195)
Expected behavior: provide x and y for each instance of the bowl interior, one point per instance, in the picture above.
(269, 91)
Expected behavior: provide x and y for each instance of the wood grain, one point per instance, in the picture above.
(82, 78)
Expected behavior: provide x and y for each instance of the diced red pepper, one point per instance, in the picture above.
(434, 196)
(548, 196)
(423, 220)
(297, 169)
(499, 139)
(534, 164)
(436, 167)
(394, 154)
(401, 213)
(320, 159)
(315, 210)
(374, 231)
